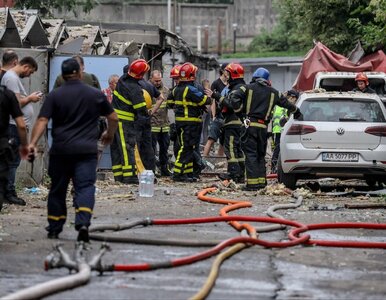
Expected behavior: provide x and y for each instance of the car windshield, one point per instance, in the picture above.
(341, 110)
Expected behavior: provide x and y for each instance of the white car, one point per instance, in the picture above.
(342, 135)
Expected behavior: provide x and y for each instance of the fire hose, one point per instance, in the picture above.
(296, 236)
(60, 284)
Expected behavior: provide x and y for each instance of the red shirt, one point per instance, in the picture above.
(109, 94)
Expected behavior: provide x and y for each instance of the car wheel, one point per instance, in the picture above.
(289, 180)
(371, 183)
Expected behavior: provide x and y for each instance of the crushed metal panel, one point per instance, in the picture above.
(30, 27)
(71, 46)
(140, 36)
(34, 33)
(9, 35)
(93, 37)
(105, 50)
(56, 31)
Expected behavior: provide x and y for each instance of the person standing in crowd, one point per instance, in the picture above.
(232, 125)
(9, 106)
(206, 116)
(130, 105)
(9, 60)
(12, 80)
(217, 121)
(112, 81)
(362, 82)
(279, 118)
(74, 109)
(175, 76)
(160, 125)
(102, 125)
(87, 78)
(187, 101)
(254, 103)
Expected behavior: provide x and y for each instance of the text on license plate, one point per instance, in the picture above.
(340, 156)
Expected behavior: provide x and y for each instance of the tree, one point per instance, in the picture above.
(45, 7)
(338, 24)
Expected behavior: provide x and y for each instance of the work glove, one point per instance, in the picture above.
(298, 115)
(283, 121)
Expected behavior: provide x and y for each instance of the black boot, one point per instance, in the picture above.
(83, 235)
(182, 178)
(165, 171)
(12, 198)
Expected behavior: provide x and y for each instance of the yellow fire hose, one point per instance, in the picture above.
(138, 161)
(211, 280)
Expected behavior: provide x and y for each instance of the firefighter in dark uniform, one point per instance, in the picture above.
(130, 105)
(254, 103)
(74, 109)
(232, 126)
(188, 102)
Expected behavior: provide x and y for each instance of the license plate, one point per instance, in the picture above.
(340, 156)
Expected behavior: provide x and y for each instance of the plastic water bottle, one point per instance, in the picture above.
(146, 184)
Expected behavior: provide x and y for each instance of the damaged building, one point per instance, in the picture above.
(106, 48)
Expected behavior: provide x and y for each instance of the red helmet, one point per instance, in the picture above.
(175, 72)
(188, 72)
(362, 77)
(235, 70)
(138, 68)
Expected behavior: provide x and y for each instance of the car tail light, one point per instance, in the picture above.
(376, 130)
(299, 129)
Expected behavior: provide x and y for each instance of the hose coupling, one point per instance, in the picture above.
(147, 221)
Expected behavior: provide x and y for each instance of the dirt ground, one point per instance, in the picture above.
(300, 272)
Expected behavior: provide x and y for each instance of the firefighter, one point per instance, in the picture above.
(130, 105)
(279, 118)
(232, 126)
(175, 75)
(362, 83)
(187, 101)
(254, 103)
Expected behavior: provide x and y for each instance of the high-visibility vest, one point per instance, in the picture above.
(278, 113)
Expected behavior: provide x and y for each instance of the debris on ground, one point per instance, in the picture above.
(305, 193)
(277, 189)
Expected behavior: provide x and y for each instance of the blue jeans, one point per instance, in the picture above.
(82, 170)
(13, 134)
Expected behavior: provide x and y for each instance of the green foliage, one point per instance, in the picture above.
(46, 6)
(338, 24)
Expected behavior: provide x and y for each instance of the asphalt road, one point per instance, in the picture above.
(300, 272)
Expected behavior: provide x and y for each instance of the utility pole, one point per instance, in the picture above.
(169, 15)
(199, 39)
(206, 39)
(234, 27)
(219, 27)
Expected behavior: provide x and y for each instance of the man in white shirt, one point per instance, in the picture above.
(11, 79)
